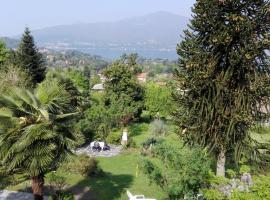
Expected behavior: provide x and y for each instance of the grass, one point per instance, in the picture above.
(261, 134)
(121, 173)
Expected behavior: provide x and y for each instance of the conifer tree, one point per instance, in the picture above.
(30, 59)
(223, 74)
(3, 52)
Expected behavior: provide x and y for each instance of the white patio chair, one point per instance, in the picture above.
(135, 197)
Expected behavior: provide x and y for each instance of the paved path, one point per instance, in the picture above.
(114, 151)
(12, 195)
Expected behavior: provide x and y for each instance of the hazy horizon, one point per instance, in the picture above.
(37, 14)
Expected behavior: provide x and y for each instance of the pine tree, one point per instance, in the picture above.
(223, 74)
(3, 52)
(30, 59)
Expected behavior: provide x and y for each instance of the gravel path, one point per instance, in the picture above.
(12, 195)
(114, 151)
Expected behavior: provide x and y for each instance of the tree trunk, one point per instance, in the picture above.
(37, 187)
(221, 160)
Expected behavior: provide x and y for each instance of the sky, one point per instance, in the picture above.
(36, 14)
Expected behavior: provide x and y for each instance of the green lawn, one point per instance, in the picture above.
(121, 173)
(261, 134)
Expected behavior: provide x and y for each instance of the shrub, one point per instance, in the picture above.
(114, 138)
(231, 173)
(213, 194)
(151, 142)
(158, 128)
(12, 76)
(62, 196)
(131, 143)
(137, 129)
(55, 181)
(244, 169)
(183, 170)
(84, 165)
(88, 166)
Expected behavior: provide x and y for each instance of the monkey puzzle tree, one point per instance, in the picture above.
(223, 74)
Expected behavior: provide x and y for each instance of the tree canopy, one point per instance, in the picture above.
(223, 73)
(123, 94)
(3, 52)
(30, 59)
(35, 136)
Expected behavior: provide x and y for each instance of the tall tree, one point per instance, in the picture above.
(36, 137)
(131, 61)
(123, 94)
(158, 101)
(3, 52)
(30, 59)
(223, 74)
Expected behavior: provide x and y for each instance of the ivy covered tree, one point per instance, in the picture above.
(223, 74)
(123, 94)
(30, 59)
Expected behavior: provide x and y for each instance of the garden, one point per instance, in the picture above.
(199, 133)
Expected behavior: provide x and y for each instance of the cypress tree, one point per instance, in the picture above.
(223, 74)
(30, 59)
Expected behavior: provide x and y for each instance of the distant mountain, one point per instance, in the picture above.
(153, 35)
(10, 43)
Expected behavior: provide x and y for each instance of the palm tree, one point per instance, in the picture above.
(34, 138)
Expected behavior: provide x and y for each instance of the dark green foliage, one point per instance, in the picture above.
(223, 72)
(83, 165)
(131, 143)
(36, 137)
(131, 61)
(87, 72)
(114, 138)
(55, 181)
(96, 122)
(3, 53)
(62, 195)
(76, 97)
(152, 142)
(183, 170)
(123, 94)
(79, 78)
(29, 58)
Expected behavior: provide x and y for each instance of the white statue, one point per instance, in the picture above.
(124, 137)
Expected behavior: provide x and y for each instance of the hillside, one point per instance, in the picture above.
(153, 35)
(10, 43)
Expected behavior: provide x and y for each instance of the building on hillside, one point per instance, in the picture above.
(142, 77)
(98, 87)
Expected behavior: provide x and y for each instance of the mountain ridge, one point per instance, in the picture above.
(153, 35)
